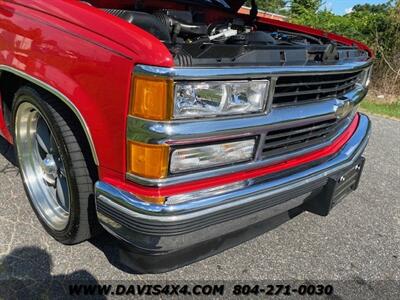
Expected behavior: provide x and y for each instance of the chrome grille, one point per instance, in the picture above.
(283, 141)
(301, 89)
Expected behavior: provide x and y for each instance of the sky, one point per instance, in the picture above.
(340, 7)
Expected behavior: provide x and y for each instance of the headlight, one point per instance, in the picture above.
(163, 99)
(196, 158)
(215, 98)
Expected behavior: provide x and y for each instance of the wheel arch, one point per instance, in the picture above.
(20, 77)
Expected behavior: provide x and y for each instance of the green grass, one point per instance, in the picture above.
(385, 109)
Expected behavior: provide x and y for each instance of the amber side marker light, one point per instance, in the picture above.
(154, 200)
(149, 161)
(152, 98)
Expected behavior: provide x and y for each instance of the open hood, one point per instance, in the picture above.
(196, 35)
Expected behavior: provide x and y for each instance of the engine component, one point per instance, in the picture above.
(182, 22)
(253, 38)
(145, 21)
(226, 33)
(233, 41)
(331, 53)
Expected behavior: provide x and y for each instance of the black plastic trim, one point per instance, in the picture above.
(183, 227)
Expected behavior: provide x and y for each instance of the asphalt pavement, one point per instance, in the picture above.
(358, 242)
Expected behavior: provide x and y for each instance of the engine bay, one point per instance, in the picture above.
(192, 41)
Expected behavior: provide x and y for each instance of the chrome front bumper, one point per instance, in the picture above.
(160, 230)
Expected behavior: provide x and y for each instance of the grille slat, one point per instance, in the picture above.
(304, 137)
(317, 82)
(283, 141)
(292, 148)
(298, 131)
(334, 90)
(300, 89)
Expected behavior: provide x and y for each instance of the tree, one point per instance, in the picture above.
(371, 8)
(378, 26)
(300, 7)
(274, 6)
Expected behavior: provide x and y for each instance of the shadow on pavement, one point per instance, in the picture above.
(111, 249)
(25, 273)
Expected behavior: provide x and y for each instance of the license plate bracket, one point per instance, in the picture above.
(337, 188)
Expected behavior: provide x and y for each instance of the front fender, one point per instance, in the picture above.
(92, 78)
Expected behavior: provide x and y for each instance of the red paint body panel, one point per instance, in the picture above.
(91, 70)
(243, 175)
(44, 48)
(88, 56)
(117, 34)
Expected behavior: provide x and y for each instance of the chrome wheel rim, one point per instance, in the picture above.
(42, 167)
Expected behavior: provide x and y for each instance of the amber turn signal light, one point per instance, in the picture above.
(149, 161)
(152, 98)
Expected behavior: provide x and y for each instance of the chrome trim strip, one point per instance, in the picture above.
(196, 131)
(248, 72)
(63, 98)
(142, 210)
(254, 164)
(270, 97)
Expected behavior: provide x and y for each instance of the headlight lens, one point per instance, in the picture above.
(196, 158)
(212, 192)
(215, 98)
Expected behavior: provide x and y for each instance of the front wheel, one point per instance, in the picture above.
(53, 168)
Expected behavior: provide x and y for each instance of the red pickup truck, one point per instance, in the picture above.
(180, 127)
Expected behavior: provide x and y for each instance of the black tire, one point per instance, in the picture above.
(82, 223)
